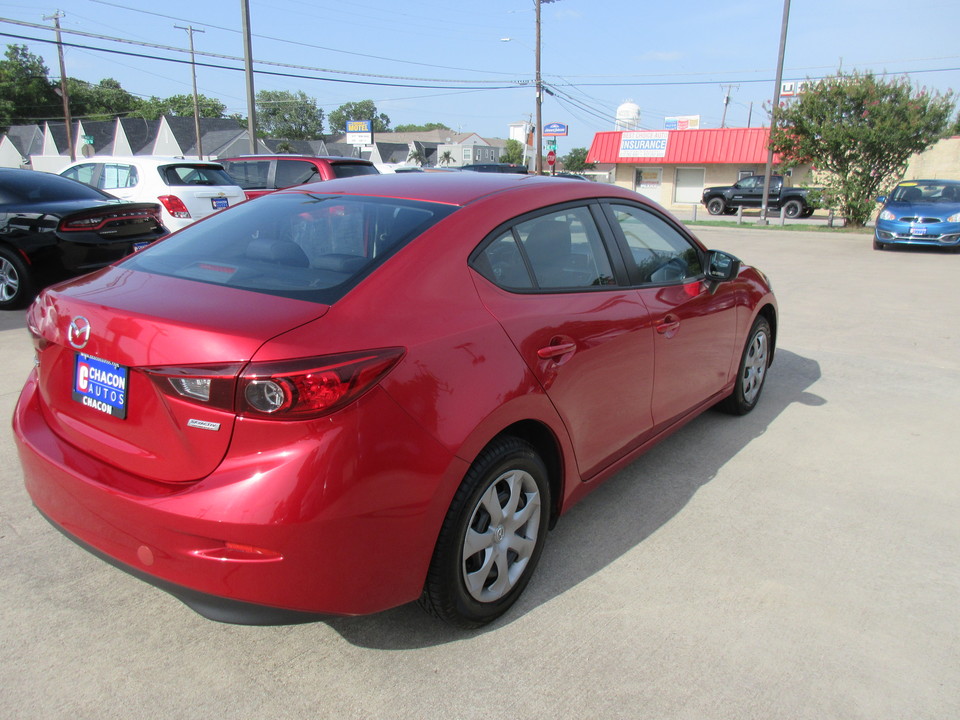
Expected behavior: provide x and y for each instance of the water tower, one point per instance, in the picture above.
(628, 116)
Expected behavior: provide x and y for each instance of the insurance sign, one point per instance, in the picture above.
(643, 144)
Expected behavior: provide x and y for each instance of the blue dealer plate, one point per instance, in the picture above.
(220, 203)
(100, 385)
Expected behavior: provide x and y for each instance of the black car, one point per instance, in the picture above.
(52, 228)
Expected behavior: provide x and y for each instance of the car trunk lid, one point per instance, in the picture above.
(99, 337)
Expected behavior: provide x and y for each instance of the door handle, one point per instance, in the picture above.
(669, 325)
(555, 351)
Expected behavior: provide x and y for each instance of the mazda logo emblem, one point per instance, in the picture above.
(78, 333)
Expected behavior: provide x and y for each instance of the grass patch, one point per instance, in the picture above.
(751, 224)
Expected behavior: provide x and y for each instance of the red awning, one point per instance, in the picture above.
(682, 147)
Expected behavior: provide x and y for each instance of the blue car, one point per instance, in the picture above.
(920, 212)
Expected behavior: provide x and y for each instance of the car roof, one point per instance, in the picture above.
(461, 188)
(286, 156)
(144, 160)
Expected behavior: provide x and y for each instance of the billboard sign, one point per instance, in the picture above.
(682, 122)
(554, 129)
(360, 132)
(643, 144)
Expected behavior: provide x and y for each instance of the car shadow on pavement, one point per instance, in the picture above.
(618, 516)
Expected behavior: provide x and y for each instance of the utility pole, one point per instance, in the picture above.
(726, 102)
(68, 121)
(196, 101)
(773, 112)
(248, 65)
(539, 131)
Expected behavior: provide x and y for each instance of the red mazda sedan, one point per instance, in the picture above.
(348, 396)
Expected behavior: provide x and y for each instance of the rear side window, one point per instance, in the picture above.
(558, 251)
(345, 170)
(297, 245)
(117, 175)
(249, 174)
(295, 172)
(185, 174)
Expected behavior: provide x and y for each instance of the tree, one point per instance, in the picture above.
(861, 131)
(363, 110)
(426, 127)
(513, 152)
(576, 161)
(103, 101)
(26, 94)
(446, 157)
(416, 155)
(294, 116)
(179, 106)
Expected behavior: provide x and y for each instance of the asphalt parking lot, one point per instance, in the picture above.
(800, 562)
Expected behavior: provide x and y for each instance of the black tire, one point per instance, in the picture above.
(752, 371)
(716, 206)
(16, 282)
(793, 209)
(877, 245)
(492, 536)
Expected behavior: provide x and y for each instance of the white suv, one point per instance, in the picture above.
(187, 190)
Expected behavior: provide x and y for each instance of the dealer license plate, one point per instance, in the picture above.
(918, 231)
(220, 203)
(100, 385)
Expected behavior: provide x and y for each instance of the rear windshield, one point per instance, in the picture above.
(33, 186)
(187, 174)
(345, 170)
(298, 245)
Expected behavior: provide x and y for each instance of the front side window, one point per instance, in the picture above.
(562, 250)
(298, 245)
(659, 252)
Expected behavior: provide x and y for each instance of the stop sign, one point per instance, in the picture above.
(551, 157)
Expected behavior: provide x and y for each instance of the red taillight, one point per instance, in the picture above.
(93, 223)
(310, 387)
(283, 390)
(174, 206)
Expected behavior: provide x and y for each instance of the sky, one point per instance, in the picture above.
(433, 61)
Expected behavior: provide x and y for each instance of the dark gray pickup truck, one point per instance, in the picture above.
(748, 193)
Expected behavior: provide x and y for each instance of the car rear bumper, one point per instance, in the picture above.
(272, 534)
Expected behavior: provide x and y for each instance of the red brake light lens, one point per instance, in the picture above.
(310, 387)
(174, 206)
(284, 390)
(98, 221)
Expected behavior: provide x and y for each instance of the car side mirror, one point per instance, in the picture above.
(722, 266)
(881, 198)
